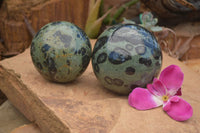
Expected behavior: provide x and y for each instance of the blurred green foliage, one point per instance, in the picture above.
(94, 22)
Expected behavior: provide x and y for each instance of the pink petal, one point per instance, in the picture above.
(142, 99)
(178, 109)
(179, 93)
(157, 88)
(155, 79)
(172, 77)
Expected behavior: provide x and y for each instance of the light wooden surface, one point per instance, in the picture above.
(84, 106)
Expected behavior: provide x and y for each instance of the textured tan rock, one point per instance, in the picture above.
(194, 64)
(10, 118)
(30, 128)
(84, 106)
(193, 52)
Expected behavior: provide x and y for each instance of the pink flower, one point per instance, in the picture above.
(164, 91)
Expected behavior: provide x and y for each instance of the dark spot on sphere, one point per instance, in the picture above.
(118, 56)
(45, 48)
(39, 65)
(85, 61)
(148, 63)
(79, 52)
(45, 63)
(96, 68)
(157, 63)
(118, 82)
(83, 51)
(145, 61)
(133, 86)
(108, 80)
(142, 60)
(64, 52)
(45, 55)
(51, 66)
(130, 71)
(100, 43)
(78, 35)
(156, 53)
(102, 58)
(52, 70)
(56, 23)
(82, 33)
(68, 62)
(76, 52)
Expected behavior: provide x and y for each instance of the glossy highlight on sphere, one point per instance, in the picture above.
(60, 51)
(126, 56)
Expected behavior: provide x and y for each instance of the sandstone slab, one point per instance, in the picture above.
(84, 106)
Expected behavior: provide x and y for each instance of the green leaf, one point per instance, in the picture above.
(93, 13)
(121, 10)
(94, 29)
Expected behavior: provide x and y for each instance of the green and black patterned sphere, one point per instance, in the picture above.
(60, 51)
(126, 56)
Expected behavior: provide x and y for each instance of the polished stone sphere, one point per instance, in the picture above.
(126, 56)
(60, 51)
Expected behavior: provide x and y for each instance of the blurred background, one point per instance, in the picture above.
(20, 19)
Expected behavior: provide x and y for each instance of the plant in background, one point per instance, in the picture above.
(94, 22)
(148, 21)
(115, 18)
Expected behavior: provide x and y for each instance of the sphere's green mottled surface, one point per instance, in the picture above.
(60, 51)
(126, 56)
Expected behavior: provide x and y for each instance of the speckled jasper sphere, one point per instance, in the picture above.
(126, 56)
(60, 51)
